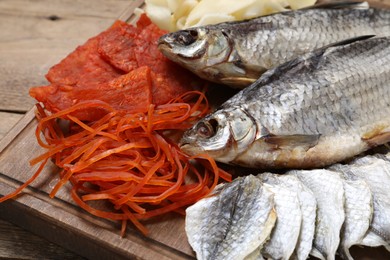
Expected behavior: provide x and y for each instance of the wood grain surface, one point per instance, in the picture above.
(34, 35)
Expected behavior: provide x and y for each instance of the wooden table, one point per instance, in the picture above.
(34, 35)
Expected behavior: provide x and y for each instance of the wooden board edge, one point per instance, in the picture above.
(17, 129)
(56, 223)
(128, 15)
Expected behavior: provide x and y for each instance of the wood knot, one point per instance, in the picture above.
(53, 17)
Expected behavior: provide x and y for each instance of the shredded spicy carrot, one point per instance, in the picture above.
(128, 160)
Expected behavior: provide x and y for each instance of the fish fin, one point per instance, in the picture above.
(378, 136)
(348, 41)
(280, 141)
(238, 82)
(308, 60)
(340, 5)
(316, 56)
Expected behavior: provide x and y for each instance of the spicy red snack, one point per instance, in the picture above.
(99, 69)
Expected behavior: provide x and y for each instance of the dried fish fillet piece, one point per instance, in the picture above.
(285, 234)
(358, 213)
(376, 172)
(353, 207)
(308, 205)
(328, 190)
(231, 224)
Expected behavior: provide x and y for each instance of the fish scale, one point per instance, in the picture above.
(237, 53)
(321, 108)
(325, 86)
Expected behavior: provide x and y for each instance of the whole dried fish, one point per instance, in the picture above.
(237, 53)
(316, 110)
(341, 221)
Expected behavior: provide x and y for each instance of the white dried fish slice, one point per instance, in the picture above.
(358, 213)
(376, 172)
(285, 234)
(308, 206)
(328, 190)
(232, 223)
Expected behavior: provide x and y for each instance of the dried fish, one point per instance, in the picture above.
(237, 53)
(240, 218)
(327, 188)
(352, 201)
(376, 173)
(285, 234)
(319, 109)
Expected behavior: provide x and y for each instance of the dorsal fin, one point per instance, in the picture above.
(340, 5)
(310, 59)
(348, 41)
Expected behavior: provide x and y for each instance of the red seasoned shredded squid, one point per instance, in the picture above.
(127, 159)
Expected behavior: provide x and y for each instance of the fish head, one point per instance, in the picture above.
(222, 135)
(198, 49)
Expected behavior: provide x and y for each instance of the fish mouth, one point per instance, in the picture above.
(165, 40)
(190, 149)
(165, 43)
(175, 51)
(165, 48)
(168, 50)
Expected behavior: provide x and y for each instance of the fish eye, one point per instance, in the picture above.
(193, 33)
(187, 37)
(207, 129)
(225, 34)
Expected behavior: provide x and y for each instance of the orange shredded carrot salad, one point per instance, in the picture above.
(128, 160)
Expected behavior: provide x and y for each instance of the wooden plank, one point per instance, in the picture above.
(34, 35)
(8, 122)
(18, 127)
(18, 244)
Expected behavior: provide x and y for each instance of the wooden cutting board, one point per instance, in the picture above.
(61, 221)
